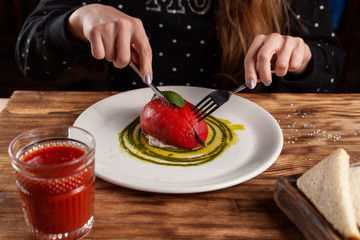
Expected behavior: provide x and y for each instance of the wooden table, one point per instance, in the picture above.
(3, 102)
(313, 126)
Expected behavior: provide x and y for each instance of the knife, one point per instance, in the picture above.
(158, 93)
(150, 84)
(156, 90)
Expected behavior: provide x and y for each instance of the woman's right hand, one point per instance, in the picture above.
(113, 35)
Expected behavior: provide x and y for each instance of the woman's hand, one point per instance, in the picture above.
(113, 35)
(277, 54)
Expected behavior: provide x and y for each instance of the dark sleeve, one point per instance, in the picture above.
(44, 49)
(312, 22)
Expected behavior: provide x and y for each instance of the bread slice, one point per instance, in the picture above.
(327, 186)
(354, 177)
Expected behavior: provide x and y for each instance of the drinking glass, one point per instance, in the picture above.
(54, 172)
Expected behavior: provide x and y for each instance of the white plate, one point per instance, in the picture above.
(258, 147)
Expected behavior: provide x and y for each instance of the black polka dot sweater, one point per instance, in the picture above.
(182, 37)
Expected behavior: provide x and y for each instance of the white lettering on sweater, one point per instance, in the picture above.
(199, 7)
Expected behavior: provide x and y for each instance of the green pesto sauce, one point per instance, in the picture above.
(221, 136)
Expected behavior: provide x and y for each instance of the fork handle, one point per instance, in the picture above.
(239, 88)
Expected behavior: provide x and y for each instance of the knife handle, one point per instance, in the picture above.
(134, 67)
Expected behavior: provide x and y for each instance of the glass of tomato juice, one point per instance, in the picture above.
(54, 173)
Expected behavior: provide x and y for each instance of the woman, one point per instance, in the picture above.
(286, 46)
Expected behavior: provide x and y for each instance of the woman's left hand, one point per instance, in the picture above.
(277, 54)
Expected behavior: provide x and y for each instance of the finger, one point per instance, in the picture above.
(284, 56)
(299, 57)
(250, 61)
(143, 49)
(97, 45)
(108, 38)
(271, 46)
(295, 59)
(134, 55)
(123, 42)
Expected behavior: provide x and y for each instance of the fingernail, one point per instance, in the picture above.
(148, 79)
(267, 83)
(251, 84)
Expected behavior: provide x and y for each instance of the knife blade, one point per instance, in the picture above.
(199, 139)
(158, 93)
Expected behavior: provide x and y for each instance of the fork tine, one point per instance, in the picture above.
(199, 103)
(198, 113)
(203, 105)
(208, 113)
(209, 107)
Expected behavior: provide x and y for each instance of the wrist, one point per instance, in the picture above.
(75, 26)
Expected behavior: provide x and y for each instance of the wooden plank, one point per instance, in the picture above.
(3, 102)
(52, 102)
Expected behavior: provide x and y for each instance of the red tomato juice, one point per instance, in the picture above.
(61, 200)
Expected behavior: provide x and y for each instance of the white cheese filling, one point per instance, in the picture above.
(153, 141)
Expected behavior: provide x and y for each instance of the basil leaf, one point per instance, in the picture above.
(173, 97)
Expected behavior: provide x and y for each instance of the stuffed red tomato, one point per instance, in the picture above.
(172, 124)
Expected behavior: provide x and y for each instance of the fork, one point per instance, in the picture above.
(213, 101)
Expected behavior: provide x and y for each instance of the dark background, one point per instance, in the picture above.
(82, 77)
